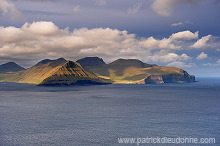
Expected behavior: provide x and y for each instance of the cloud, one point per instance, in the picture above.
(166, 7)
(213, 64)
(153, 43)
(135, 9)
(186, 35)
(168, 43)
(202, 56)
(76, 9)
(180, 23)
(203, 42)
(170, 57)
(177, 24)
(101, 2)
(11, 34)
(8, 9)
(40, 40)
(182, 64)
(41, 28)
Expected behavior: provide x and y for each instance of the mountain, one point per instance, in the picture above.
(124, 63)
(177, 76)
(37, 73)
(10, 67)
(91, 61)
(135, 71)
(55, 62)
(96, 71)
(56, 72)
(71, 73)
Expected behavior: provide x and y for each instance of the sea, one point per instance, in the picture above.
(102, 115)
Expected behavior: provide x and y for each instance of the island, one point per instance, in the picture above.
(92, 70)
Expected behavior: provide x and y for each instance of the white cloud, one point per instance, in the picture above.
(202, 56)
(152, 43)
(11, 34)
(101, 2)
(8, 9)
(203, 42)
(182, 64)
(166, 7)
(40, 40)
(170, 57)
(31, 42)
(186, 35)
(135, 9)
(168, 43)
(41, 28)
(76, 9)
(213, 64)
(181, 23)
(177, 24)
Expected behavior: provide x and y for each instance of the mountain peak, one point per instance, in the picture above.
(91, 61)
(45, 61)
(9, 63)
(10, 67)
(130, 63)
(61, 59)
(71, 73)
(71, 64)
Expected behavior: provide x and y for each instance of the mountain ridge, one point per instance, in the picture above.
(135, 71)
(120, 71)
(91, 61)
(55, 72)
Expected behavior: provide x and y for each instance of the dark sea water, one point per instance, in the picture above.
(99, 115)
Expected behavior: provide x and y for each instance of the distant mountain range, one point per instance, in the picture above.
(92, 70)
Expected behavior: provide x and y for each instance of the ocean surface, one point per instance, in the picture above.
(99, 115)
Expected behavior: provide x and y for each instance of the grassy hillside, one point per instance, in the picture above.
(62, 72)
(71, 73)
(56, 72)
(132, 71)
(35, 74)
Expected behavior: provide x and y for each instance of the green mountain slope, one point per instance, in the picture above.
(135, 71)
(96, 71)
(56, 72)
(71, 73)
(35, 74)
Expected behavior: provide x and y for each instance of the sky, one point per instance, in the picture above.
(179, 33)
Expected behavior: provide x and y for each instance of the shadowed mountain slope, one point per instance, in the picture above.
(53, 62)
(10, 67)
(91, 61)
